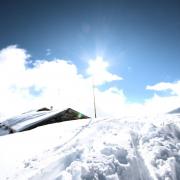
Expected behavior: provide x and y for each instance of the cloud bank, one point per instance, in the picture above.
(164, 103)
(49, 83)
(26, 85)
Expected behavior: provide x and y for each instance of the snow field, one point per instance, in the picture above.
(127, 148)
(163, 148)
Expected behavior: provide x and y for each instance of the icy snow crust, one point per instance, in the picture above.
(127, 148)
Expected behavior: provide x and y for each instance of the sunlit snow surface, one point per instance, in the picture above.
(137, 148)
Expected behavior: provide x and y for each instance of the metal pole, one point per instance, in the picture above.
(94, 98)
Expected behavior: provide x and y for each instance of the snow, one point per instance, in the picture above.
(27, 119)
(137, 148)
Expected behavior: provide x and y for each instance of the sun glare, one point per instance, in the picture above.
(97, 66)
(98, 70)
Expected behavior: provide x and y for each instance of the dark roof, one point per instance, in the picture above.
(37, 118)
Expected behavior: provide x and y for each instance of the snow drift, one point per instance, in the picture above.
(137, 148)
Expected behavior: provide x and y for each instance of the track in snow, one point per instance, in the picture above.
(143, 172)
(111, 162)
(105, 149)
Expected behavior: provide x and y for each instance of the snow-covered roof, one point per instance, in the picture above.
(31, 118)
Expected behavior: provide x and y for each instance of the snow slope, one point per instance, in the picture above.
(137, 148)
(175, 111)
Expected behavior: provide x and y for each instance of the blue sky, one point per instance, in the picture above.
(140, 40)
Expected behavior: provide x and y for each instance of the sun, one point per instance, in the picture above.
(98, 71)
(97, 66)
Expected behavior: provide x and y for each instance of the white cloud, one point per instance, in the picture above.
(164, 103)
(111, 101)
(163, 86)
(98, 70)
(56, 82)
(159, 104)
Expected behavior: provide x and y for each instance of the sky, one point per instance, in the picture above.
(51, 50)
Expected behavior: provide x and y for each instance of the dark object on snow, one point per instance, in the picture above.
(43, 109)
(175, 111)
(38, 118)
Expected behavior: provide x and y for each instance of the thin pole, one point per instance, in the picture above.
(94, 98)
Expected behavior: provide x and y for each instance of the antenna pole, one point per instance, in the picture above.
(94, 98)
